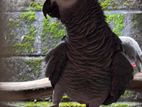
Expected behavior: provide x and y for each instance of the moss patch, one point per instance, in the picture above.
(106, 4)
(36, 6)
(117, 23)
(72, 104)
(52, 33)
(25, 26)
(27, 43)
(29, 16)
(35, 66)
(54, 28)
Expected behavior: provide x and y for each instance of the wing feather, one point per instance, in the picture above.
(56, 61)
(122, 73)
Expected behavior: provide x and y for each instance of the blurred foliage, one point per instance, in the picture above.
(116, 22)
(53, 27)
(71, 104)
(52, 33)
(27, 43)
(29, 16)
(106, 4)
(25, 20)
(35, 65)
(36, 6)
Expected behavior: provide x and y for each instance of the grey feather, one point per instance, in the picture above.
(132, 51)
(56, 61)
(121, 75)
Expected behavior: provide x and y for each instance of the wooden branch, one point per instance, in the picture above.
(136, 83)
(17, 91)
(38, 89)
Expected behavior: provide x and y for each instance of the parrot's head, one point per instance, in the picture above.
(67, 9)
(56, 8)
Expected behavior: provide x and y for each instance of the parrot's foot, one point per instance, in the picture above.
(54, 105)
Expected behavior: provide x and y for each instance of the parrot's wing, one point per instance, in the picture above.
(56, 61)
(122, 73)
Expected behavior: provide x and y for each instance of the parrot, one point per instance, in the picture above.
(88, 64)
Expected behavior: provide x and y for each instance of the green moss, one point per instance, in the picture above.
(54, 28)
(52, 32)
(27, 44)
(23, 47)
(117, 21)
(126, 3)
(30, 37)
(108, 4)
(129, 3)
(45, 104)
(35, 65)
(105, 3)
(69, 104)
(28, 16)
(36, 6)
(12, 23)
(10, 32)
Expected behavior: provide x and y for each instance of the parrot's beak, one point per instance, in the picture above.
(46, 8)
(50, 8)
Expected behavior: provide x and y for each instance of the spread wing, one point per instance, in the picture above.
(122, 73)
(56, 61)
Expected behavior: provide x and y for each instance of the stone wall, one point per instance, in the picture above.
(27, 39)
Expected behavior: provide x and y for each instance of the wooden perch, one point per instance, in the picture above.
(17, 91)
(136, 83)
(38, 89)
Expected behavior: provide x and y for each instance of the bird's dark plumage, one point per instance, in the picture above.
(56, 61)
(92, 68)
(121, 76)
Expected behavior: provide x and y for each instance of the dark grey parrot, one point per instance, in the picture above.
(88, 65)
